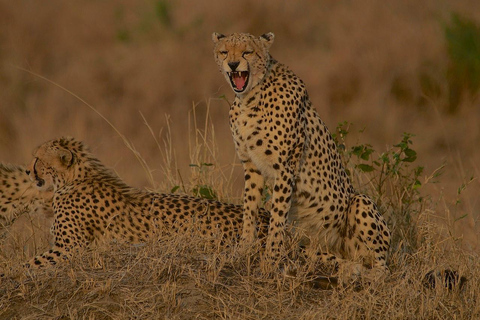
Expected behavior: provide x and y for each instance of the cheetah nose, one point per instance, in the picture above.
(233, 65)
(40, 183)
(27, 172)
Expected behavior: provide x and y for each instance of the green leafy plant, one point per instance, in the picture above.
(463, 46)
(393, 176)
(200, 189)
(393, 163)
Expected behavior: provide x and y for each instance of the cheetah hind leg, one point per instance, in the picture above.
(323, 269)
(364, 248)
(367, 238)
(330, 270)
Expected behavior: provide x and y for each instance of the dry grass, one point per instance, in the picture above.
(361, 63)
(177, 278)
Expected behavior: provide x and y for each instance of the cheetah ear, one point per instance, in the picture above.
(66, 157)
(267, 39)
(217, 36)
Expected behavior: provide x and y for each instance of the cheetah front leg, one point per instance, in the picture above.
(254, 183)
(66, 243)
(286, 169)
(281, 203)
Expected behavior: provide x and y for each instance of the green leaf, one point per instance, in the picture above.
(174, 189)
(384, 157)
(418, 170)
(203, 164)
(205, 191)
(366, 154)
(357, 150)
(364, 167)
(411, 155)
(417, 185)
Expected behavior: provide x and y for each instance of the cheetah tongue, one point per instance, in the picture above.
(239, 79)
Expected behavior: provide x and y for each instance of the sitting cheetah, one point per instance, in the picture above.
(91, 202)
(280, 139)
(18, 194)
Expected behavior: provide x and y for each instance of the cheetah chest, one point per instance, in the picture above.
(251, 136)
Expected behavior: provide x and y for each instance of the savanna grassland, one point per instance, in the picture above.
(397, 82)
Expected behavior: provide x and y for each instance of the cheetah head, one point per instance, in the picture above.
(53, 164)
(243, 59)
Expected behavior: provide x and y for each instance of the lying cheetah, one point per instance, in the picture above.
(91, 202)
(279, 138)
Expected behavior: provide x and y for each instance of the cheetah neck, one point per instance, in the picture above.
(91, 171)
(86, 169)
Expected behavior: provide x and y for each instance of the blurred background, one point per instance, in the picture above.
(148, 68)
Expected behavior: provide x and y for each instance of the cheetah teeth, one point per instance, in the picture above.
(239, 74)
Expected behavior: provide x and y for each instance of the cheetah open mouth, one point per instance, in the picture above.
(239, 80)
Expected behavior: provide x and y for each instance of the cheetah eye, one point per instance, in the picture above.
(247, 53)
(223, 52)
